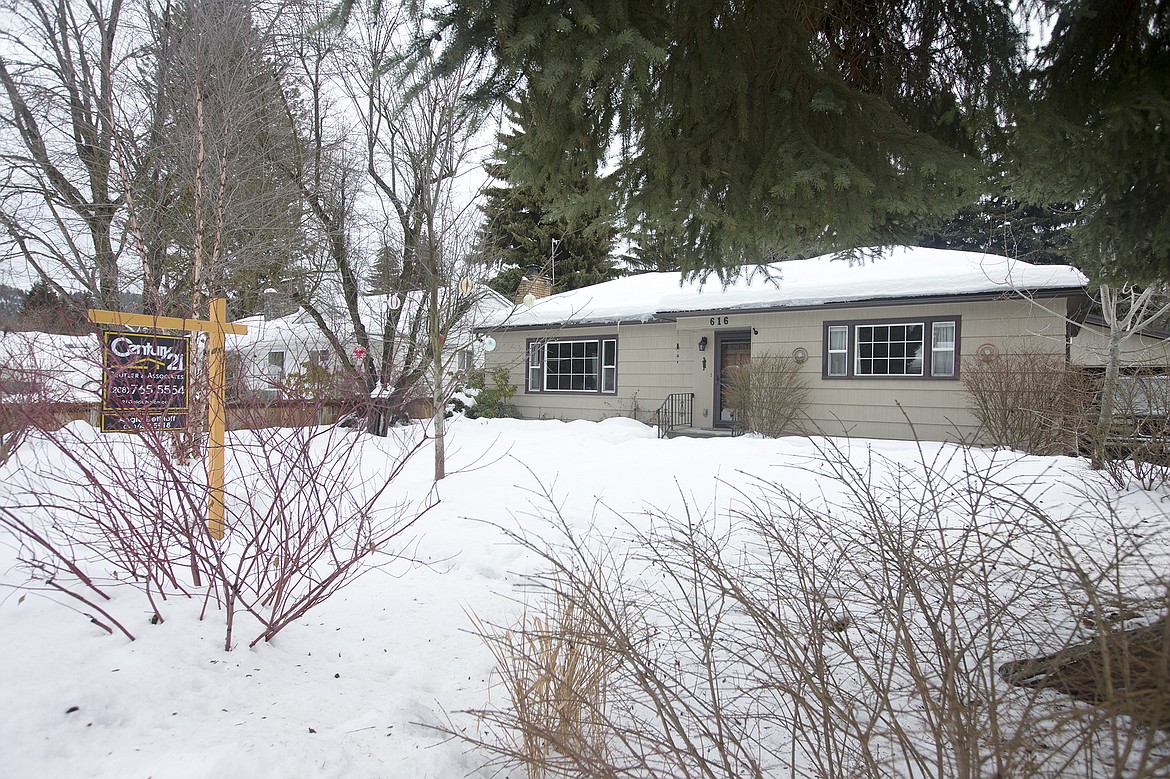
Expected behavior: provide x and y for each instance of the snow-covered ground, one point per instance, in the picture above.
(349, 690)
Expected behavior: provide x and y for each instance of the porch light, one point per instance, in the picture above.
(703, 344)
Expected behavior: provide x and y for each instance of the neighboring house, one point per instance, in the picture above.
(882, 341)
(47, 380)
(276, 347)
(47, 367)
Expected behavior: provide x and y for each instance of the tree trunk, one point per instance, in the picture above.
(1107, 397)
(437, 384)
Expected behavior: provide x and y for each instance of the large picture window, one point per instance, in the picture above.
(573, 365)
(925, 348)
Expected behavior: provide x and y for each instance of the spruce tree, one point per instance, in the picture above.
(752, 130)
(1096, 131)
(49, 311)
(654, 249)
(383, 277)
(556, 229)
(1039, 234)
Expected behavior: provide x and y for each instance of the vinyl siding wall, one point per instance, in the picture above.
(902, 408)
(657, 359)
(647, 371)
(1090, 348)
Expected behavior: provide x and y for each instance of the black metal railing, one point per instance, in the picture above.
(676, 411)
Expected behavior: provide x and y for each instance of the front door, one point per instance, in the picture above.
(732, 350)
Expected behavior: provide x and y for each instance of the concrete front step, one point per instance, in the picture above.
(700, 432)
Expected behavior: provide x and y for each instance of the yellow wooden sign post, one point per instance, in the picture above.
(216, 327)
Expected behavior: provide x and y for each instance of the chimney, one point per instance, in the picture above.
(277, 304)
(534, 281)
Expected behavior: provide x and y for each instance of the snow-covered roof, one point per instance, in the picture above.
(299, 327)
(64, 368)
(883, 274)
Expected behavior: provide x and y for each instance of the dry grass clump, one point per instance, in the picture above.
(554, 670)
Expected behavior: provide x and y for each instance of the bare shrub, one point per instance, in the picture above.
(1138, 444)
(23, 408)
(857, 633)
(1031, 402)
(306, 512)
(769, 395)
(32, 394)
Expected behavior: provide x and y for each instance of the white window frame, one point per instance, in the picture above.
(320, 358)
(599, 371)
(535, 365)
(936, 326)
(276, 367)
(842, 368)
(608, 366)
(947, 349)
(464, 360)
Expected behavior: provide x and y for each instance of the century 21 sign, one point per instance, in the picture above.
(144, 384)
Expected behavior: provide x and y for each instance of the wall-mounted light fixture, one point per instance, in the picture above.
(703, 344)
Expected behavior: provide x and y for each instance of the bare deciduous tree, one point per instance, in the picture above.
(1127, 310)
(62, 69)
(417, 135)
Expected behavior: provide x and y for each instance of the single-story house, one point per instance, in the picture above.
(880, 338)
(284, 342)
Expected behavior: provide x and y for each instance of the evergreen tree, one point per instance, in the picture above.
(1001, 225)
(39, 298)
(215, 207)
(1095, 132)
(757, 129)
(383, 277)
(47, 310)
(552, 228)
(654, 250)
(12, 301)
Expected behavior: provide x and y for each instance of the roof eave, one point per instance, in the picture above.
(1050, 292)
(664, 316)
(612, 322)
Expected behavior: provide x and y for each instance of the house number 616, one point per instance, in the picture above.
(719, 320)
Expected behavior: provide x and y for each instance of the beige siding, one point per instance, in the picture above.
(650, 366)
(882, 408)
(1090, 348)
(647, 370)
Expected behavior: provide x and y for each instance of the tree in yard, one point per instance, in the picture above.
(654, 249)
(213, 215)
(419, 139)
(1093, 132)
(383, 277)
(757, 129)
(61, 72)
(416, 135)
(1127, 310)
(551, 228)
(47, 311)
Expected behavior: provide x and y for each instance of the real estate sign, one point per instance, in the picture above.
(144, 382)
